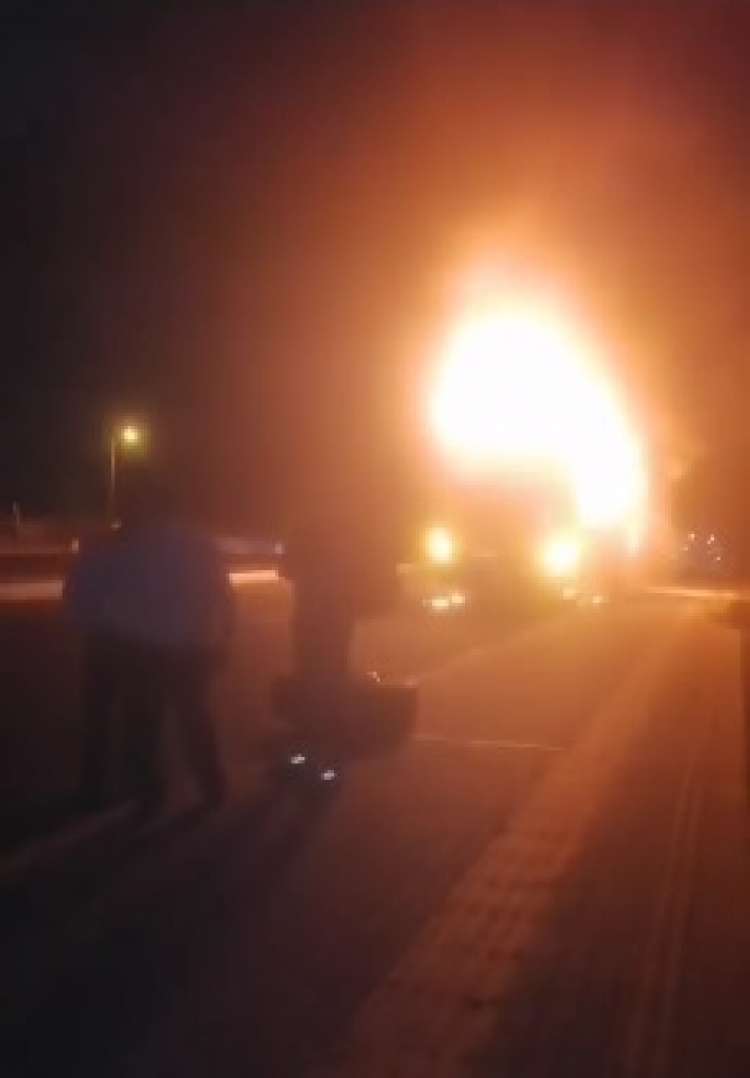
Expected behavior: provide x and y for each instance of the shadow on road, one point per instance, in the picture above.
(40, 732)
(36, 822)
(156, 910)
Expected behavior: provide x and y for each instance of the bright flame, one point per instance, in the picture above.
(499, 393)
(518, 388)
(440, 546)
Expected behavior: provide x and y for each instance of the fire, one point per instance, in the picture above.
(517, 388)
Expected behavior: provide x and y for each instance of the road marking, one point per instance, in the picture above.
(430, 1016)
(646, 1046)
(487, 743)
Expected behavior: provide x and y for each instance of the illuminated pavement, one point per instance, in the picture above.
(550, 880)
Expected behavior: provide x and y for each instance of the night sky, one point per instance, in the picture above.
(239, 222)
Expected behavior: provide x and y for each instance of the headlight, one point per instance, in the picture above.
(444, 602)
(438, 604)
(561, 555)
(440, 546)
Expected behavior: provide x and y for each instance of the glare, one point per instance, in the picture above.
(439, 603)
(446, 601)
(561, 555)
(440, 546)
(517, 388)
(130, 435)
(502, 386)
(635, 537)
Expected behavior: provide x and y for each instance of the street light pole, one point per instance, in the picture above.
(112, 479)
(128, 437)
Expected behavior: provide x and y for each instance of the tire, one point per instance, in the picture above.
(368, 716)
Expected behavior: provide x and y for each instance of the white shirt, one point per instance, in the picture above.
(164, 584)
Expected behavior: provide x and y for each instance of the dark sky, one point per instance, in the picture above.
(238, 221)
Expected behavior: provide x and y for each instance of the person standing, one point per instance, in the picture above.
(176, 616)
(341, 558)
(89, 606)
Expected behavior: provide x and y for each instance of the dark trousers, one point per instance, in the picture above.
(102, 708)
(323, 629)
(322, 638)
(128, 689)
(159, 680)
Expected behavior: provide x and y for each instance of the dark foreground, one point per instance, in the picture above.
(551, 879)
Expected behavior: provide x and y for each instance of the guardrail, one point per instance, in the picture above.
(677, 591)
(50, 591)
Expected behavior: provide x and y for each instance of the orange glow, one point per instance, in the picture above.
(519, 388)
(130, 435)
(561, 555)
(440, 546)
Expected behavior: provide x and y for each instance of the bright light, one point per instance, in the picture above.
(130, 435)
(440, 546)
(519, 389)
(605, 467)
(635, 536)
(439, 604)
(561, 555)
(444, 602)
(504, 388)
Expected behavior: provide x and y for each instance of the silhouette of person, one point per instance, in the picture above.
(88, 603)
(170, 612)
(178, 618)
(342, 558)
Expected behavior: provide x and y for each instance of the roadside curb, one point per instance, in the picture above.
(437, 1006)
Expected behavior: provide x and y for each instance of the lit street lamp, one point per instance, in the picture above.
(126, 437)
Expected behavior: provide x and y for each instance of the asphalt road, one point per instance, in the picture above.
(550, 879)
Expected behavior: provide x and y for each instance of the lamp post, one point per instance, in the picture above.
(126, 437)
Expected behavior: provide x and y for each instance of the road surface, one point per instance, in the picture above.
(551, 879)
